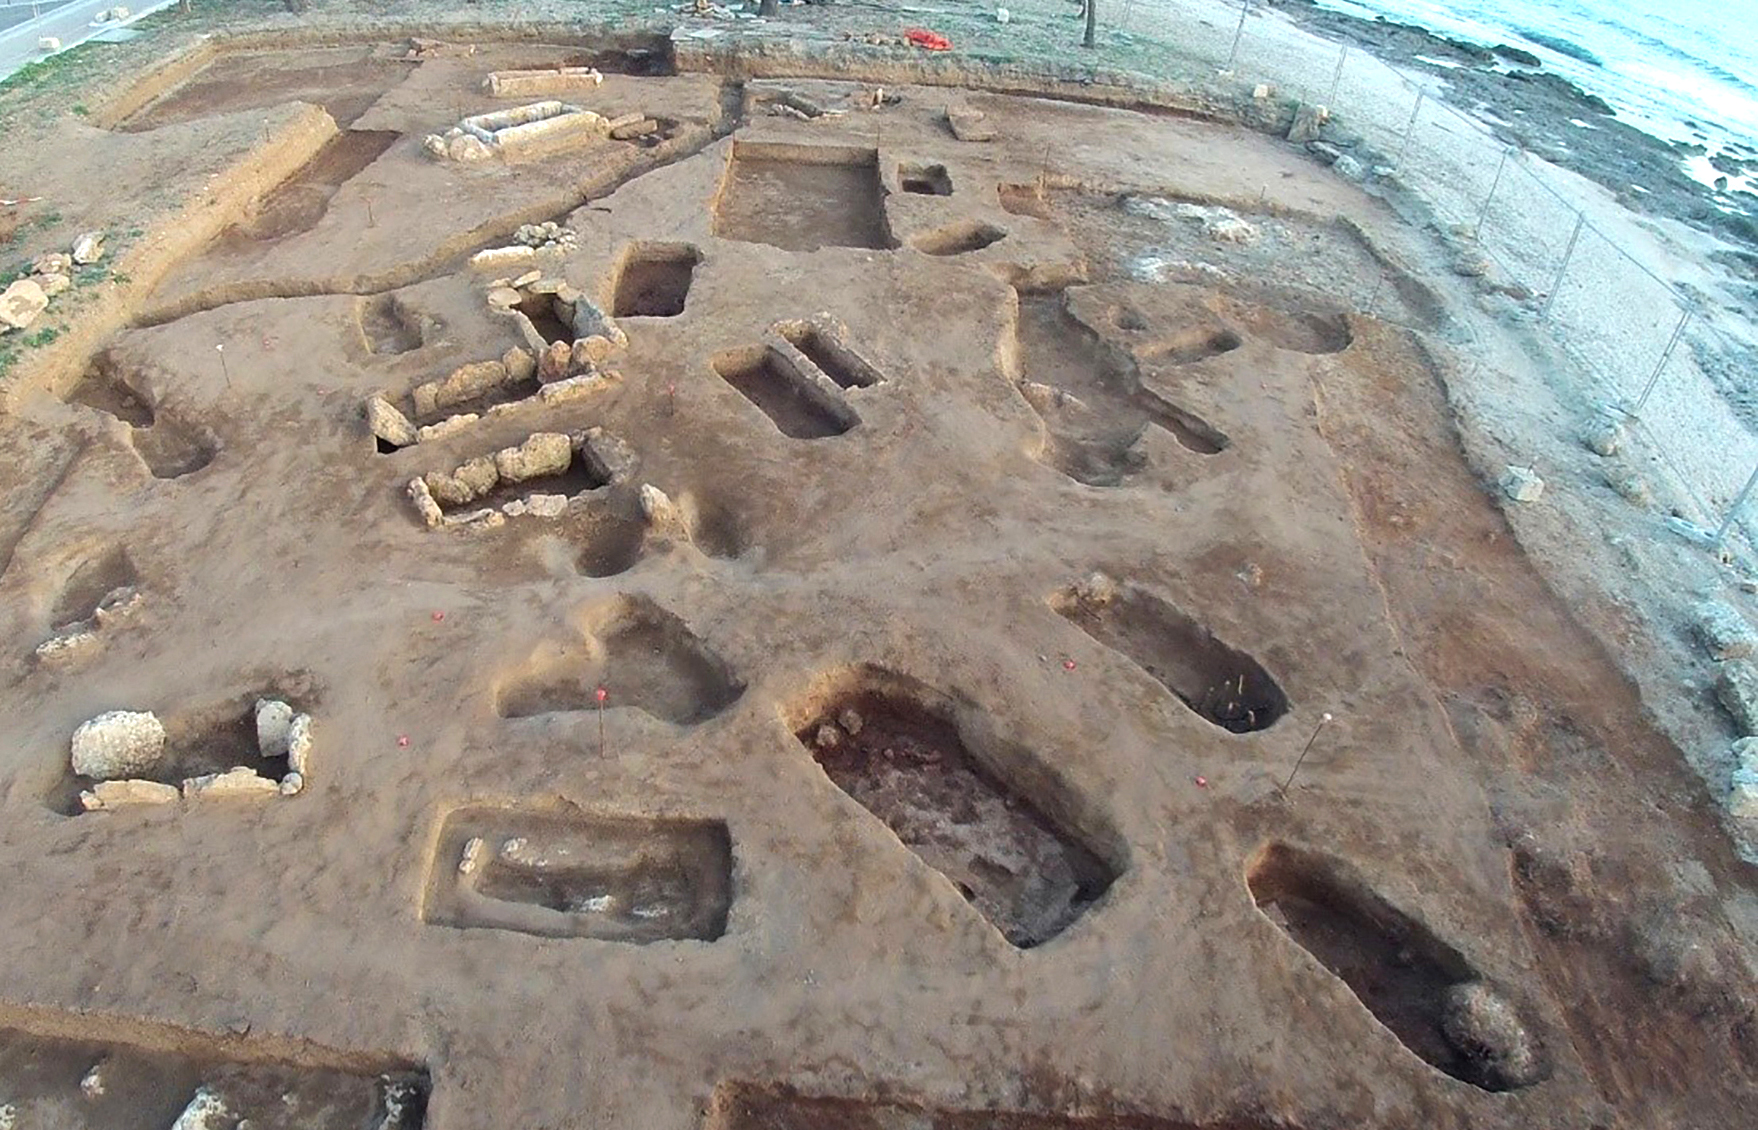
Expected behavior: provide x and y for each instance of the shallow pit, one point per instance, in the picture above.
(388, 326)
(654, 280)
(826, 349)
(802, 197)
(797, 407)
(1300, 331)
(151, 1082)
(552, 318)
(891, 745)
(1220, 684)
(924, 180)
(958, 239)
(94, 579)
(345, 82)
(748, 1106)
(1393, 964)
(172, 449)
(109, 389)
(299, 202)
(1198, 343)
(564, 874)
(1191, 431)
(643, 656)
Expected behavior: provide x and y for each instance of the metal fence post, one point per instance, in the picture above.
(1665, 356)
(1238, 33)
(1563, 267)
(1409, 129)
(1483, 213)
(1337, 79)
(1733, 511)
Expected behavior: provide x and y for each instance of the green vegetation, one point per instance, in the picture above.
(58, 70)
(42, 337)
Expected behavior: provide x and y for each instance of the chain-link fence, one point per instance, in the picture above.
(1626, 327)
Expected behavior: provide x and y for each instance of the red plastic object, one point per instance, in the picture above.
(927, 40)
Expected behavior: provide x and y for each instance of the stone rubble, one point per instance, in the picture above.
(1724, 632)
(1737, 689)
(118, 744)
(88, 248)
(120, 794)
(388, 424)
(240, 780)
(21, 304)
(1522, 484)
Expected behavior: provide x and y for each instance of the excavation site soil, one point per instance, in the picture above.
(802, 606)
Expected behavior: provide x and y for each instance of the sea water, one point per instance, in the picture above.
(1683, 70)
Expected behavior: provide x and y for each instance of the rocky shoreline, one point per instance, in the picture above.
(1544, 113)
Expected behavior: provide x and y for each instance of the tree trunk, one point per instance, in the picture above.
(769, 7)
(1092, 23)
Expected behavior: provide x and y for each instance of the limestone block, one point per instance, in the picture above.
(292, 784)
(969, 125)
(118, 744)
(72, 641)
(573, 388)
(446, 426)
(120, 794)
(388, 424)
(52, 283)
(1738, 691)
(52, 263)
(430, 511)
(470, 481)
(590, 320)
(1096, 590)
(467, 149)
(1522, 484)
(503, 297)
(554, 363)
(299, 745)
(543, 453)
(519, 363)
(661, 512)
(609, 458)
(1309, 120)
(1724, 632)
(590, 352)
(21, 303)
(512, 84)
(635, 129)
(537, 506)
(1604, 437)
(118, 604)
(502, 258)
(88, 248)
(274, 724)
(238, 781)
(469, 382)
(486, 519)
(1483, 1026)
(206, 1111)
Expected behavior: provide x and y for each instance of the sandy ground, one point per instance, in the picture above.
(895, 814)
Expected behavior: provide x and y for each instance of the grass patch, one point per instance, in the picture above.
(59, 69)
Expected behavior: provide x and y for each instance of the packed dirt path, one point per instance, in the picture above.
(845, 627)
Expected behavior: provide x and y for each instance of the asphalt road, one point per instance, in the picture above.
(69, 21)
